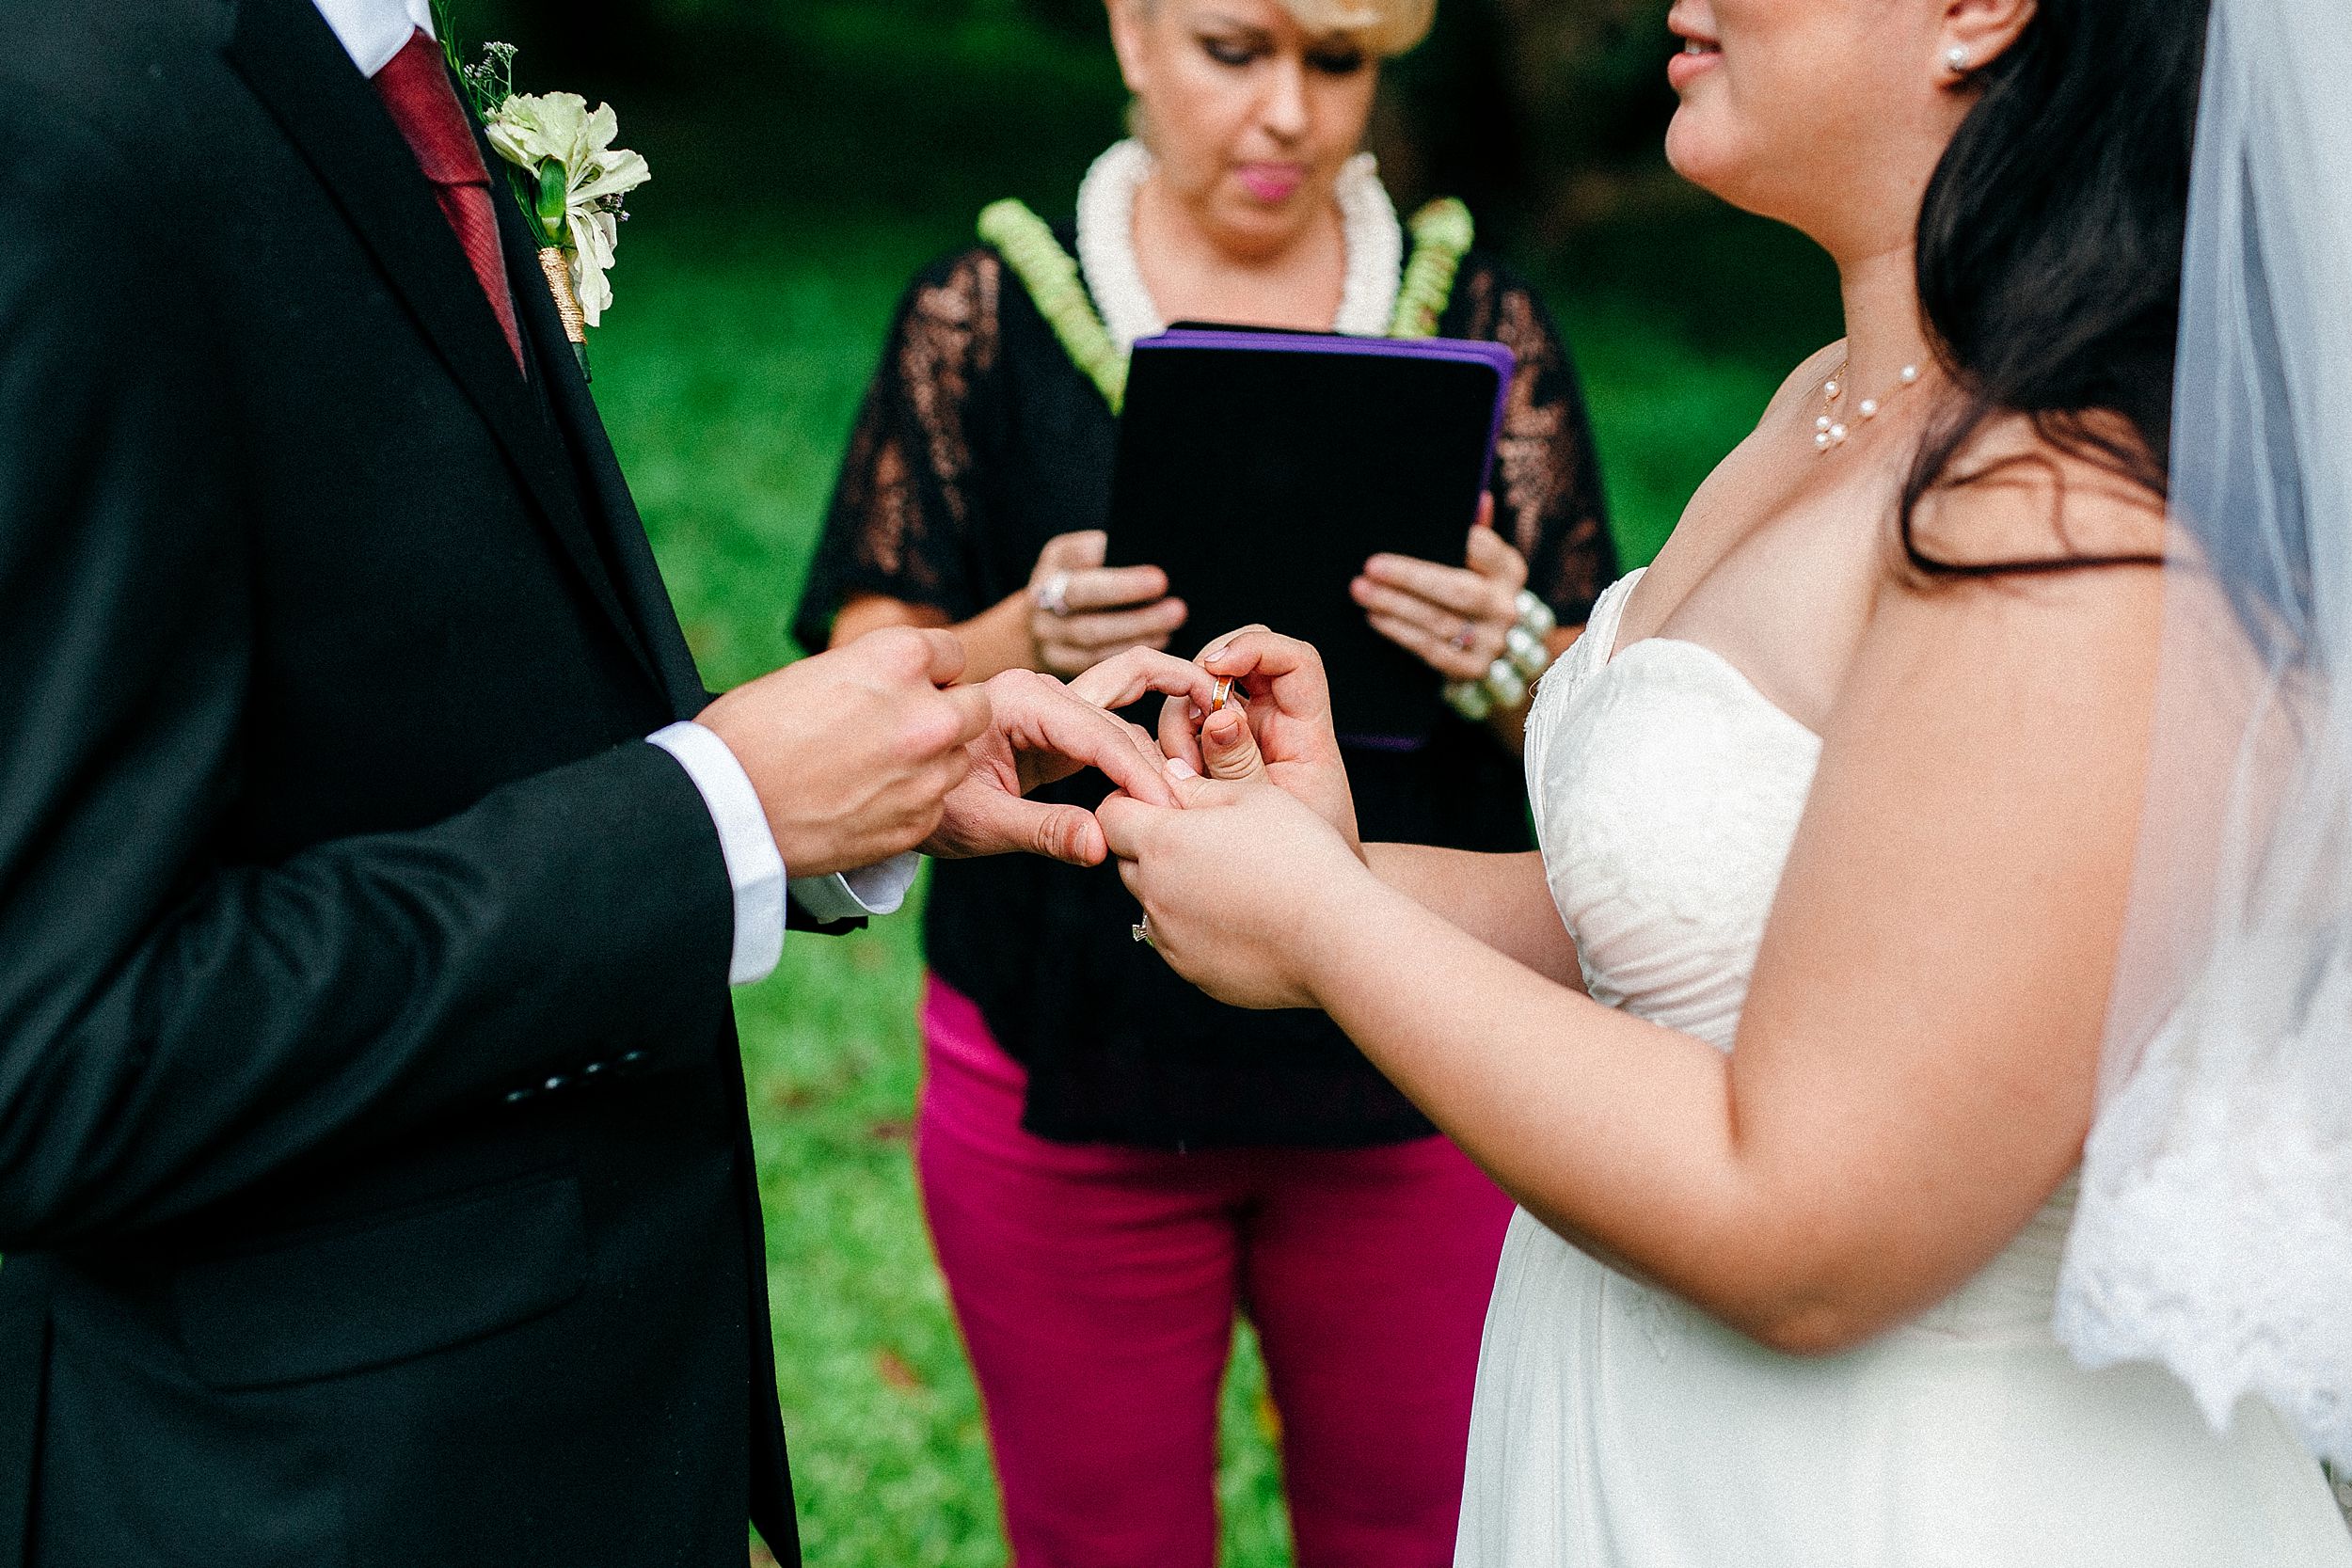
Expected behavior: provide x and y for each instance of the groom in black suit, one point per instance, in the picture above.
(376, 1189)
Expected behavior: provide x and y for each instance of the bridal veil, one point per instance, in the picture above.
(2214, 1228)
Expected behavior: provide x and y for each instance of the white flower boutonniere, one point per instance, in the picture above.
(578, 179)
(569, 178)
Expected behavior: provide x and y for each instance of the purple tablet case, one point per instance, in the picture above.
(1262, 469)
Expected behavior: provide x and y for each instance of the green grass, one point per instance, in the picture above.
(729, 373)
(730, 379)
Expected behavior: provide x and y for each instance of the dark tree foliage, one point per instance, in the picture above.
(1531, 110)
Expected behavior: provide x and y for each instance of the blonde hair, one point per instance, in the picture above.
(1385, 27)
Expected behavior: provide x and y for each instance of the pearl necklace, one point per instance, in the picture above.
(1829, 430)
(1375, 241)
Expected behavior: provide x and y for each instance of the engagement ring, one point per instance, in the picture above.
(1053, 594)
(1467, 638)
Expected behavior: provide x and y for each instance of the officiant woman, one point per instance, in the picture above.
(1112, 1165)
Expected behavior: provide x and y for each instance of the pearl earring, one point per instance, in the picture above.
(1959, 60)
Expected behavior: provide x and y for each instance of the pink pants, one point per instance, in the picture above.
(1096, 1287)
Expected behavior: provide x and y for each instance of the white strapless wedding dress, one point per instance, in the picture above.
(1616, 1427)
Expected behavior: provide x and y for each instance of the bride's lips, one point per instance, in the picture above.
(1700, 55)
(1271, 183)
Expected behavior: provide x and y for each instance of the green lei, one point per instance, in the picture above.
(1442, 237)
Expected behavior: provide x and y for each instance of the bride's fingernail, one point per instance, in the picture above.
(1179, 768)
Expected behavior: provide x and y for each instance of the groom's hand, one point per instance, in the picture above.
(853, 752)
(1042, 732)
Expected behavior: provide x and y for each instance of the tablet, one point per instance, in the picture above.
(1260, 469)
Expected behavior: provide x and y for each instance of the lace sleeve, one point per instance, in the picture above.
(1547, 492)
(906, 507)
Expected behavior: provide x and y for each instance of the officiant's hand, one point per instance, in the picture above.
(853, 752)
(1040, 733)
(1457, 620)
(1279, 729)
(1081, 612)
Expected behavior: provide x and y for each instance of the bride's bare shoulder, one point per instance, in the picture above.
(2029, 586)
(2030, 494)
(1804, 384)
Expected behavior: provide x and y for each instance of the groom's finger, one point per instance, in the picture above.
(1179, 738)
(1186, 783)
(973, 710)
(1126, 822)
(990, 822)
(1130, 677)
(1066, 834)
(895, 658)
(1055, 721)
(1147, 746)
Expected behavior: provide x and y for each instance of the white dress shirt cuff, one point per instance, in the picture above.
(754, 869)
(853, 895)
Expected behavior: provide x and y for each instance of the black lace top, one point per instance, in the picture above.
(978, 442)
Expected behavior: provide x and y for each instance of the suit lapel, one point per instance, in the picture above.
(286, 54)
(614, 511)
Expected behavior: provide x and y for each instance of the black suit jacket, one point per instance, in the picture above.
(375, 1181)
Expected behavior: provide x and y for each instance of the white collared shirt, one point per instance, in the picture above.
(372, 32)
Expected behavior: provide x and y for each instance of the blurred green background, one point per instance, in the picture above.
(808, 155)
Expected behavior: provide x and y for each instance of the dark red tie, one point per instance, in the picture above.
(416, 88)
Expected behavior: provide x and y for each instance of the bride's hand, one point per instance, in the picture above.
(1233, 883)
(1282, 729)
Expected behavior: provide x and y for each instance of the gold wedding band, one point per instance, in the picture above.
(1221, 692)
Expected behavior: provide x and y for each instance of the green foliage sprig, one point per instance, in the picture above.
(1051, 274)
(488, 83)
(1442, 232)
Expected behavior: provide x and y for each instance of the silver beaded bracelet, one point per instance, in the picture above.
(1527, 654)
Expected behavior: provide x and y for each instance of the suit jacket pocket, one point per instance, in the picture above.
(400, 1287)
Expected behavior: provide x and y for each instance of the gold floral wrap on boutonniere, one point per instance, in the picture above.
(568, 177)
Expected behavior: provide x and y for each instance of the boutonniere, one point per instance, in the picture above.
(569, 178)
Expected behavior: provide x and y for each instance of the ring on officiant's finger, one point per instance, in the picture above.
(1053, 594)
(1141, 931)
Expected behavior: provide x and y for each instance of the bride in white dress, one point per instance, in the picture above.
(1789, 1041)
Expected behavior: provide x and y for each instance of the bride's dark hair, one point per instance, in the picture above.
(2049, 249)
